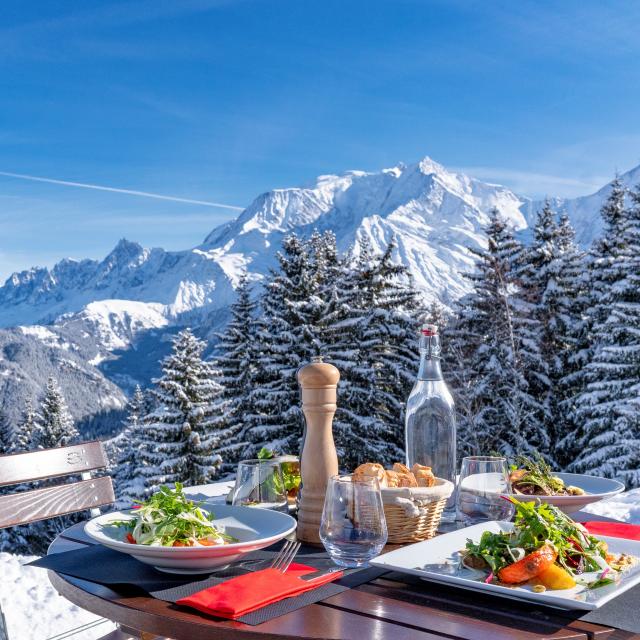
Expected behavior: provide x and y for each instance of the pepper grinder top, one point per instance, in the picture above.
(318, 375)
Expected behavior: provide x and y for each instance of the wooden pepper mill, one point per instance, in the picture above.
(319, 461)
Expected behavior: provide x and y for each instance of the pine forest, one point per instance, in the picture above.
(542, 355)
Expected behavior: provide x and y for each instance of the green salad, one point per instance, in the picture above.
(546, 548)
(170, 519)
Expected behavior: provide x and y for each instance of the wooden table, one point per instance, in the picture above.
(393, 607)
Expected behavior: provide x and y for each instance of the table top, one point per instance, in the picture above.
(393, 607)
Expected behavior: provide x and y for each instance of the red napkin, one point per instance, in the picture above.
(238, 596)
(614, 529)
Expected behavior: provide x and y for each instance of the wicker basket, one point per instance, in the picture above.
(413, 514)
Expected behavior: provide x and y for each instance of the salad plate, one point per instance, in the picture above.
(440, 560)
(241, 530)
(594, 487)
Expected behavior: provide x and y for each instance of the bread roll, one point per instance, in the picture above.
(372, 470)
(400, 468)
(424, 476)
(407, 480)
(392, 479)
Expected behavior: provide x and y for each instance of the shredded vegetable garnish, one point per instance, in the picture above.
(170, 519)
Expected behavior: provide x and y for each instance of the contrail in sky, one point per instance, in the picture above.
(130, 192)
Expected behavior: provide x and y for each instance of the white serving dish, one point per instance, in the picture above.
(255, 528)
(596, 489)
(437, 560)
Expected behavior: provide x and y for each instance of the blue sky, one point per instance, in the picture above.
(220, 100)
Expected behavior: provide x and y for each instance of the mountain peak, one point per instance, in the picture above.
(126, 247)
(428, 166)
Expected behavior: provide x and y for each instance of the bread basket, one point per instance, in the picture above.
(413, 513)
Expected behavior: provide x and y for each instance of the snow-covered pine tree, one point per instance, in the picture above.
(572, 299)
(609, 442)
(436, 313)
(372, 339)
(591, 310)
(6, 435)
(56, 427)
(495, 408)
(26, 428)
(287, 336)
(550, 287)
(390, 337)
(125, 450)
(179, 438)
(235, 360)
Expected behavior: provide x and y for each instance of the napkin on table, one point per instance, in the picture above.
(613, 529)
(238, 596)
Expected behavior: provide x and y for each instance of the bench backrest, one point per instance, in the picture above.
(24, 507)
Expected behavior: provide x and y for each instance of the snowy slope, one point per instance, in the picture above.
(29, 355)
(113, 324)
(178, 281)
(33, 608)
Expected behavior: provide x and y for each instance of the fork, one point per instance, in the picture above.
(256, 565)
(286, 555)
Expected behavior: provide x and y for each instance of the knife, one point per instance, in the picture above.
(321, 573)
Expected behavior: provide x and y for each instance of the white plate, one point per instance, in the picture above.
(596, 489)
(437, 560)
(255, 528)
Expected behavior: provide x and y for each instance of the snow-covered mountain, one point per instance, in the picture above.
(433, 213)
(120, 312)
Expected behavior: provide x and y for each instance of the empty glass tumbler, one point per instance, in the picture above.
(353, 528)
(484, 480)
(259, 483)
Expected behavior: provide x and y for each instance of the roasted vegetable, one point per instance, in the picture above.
(530, 566)
(555, 577)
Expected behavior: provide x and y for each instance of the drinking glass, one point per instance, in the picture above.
(259, 483)
(483, 482)
(353, 528)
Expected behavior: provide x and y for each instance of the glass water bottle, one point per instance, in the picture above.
(430, 425)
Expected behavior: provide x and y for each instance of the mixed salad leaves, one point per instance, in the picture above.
(170, 519)
(546, 547)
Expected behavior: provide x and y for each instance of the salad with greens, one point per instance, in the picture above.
(547, 549)
(533, 477)
(170, 519)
